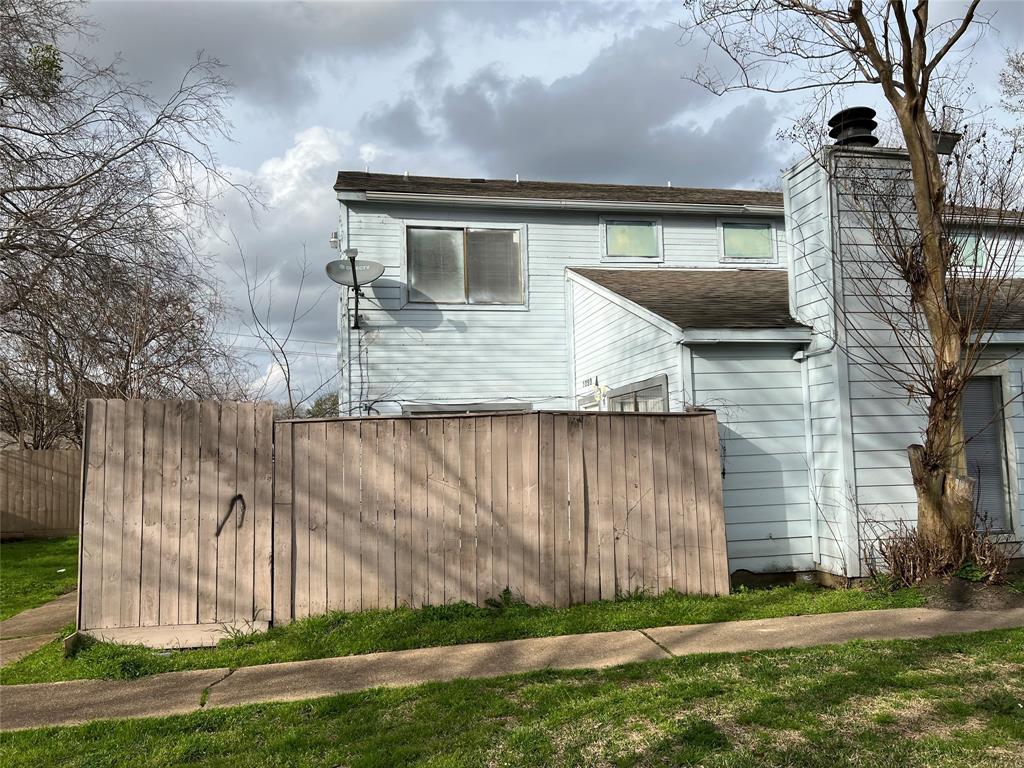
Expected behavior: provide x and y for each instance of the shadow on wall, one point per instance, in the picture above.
(428, 316)
(753, 487)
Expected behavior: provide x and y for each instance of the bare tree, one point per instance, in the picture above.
(1011, 79)
(132, 336)
(278, 337)
(105, 192)
(916, 63)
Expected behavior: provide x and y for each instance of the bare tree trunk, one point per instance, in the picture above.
(939, 467)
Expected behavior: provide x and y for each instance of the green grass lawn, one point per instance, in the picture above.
(955, 701)
(342, 634)
(36, 571)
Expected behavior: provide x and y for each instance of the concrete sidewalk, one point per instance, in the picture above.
(32, 629)
(32, 706)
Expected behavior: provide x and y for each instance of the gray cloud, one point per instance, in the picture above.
(271, 49)
(616, 121)
(431, 69)
(399, 123)
(267, 47)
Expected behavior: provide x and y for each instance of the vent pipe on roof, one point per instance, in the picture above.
(854, 127)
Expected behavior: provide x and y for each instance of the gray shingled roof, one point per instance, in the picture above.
(360, 181)
(704, 298)
(1006, 311)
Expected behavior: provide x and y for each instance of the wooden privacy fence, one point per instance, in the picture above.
(202, 514)
(558, 507)
(176, 526)
(40, 493)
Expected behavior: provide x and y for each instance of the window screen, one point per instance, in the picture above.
(632, 239)
(436, 270)
(460, 266)
(986, 455)
(493, 266)
(747, 240)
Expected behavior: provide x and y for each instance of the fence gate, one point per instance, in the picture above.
(176, 518)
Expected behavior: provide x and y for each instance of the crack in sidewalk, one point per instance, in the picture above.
(666, 650)
(205, 696)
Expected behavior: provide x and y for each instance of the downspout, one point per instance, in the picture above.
(805, 383)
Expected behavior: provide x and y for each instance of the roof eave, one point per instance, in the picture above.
(792, 335)
(1008, 336)
(485, 201)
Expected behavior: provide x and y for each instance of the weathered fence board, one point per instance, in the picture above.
(557, 507)
(40, 493)
(177, 525)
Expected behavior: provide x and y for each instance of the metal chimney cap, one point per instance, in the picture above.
(851, 113)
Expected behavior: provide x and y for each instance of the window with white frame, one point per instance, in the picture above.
(629, 238)
(647, 396)
(751, 241)
(984, 432)
(464, 265)
(968, 250)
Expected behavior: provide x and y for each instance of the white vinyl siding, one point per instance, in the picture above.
(620, 348)
(410, 353)
(809, 233)
(757, 393)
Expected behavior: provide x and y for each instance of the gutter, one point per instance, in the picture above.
(747, 335)
(1002, 337)
(548, 204)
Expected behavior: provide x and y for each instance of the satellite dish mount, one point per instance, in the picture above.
(354, 275)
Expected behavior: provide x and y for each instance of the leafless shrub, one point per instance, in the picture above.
(906, 555)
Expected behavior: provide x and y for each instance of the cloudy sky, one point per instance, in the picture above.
(587, 91)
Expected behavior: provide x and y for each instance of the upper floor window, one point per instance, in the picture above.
(630, 238)
(748, 241)
(464, 265)
(968, 250)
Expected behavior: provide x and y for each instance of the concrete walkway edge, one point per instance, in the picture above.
(80, 701)
(33, 628)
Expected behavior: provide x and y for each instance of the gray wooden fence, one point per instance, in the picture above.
(559, 508)
(40, 493)
(199, 514)
(177, 509)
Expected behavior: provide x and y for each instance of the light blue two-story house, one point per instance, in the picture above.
(507, 294)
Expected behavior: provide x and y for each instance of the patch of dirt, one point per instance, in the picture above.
(954, 594)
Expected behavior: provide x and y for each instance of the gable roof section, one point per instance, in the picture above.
(360, 181)
(704, 298)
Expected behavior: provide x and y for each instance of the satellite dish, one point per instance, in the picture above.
(340, 271)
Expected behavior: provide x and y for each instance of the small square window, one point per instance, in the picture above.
(631, 239)
(968, 250)
(747, 241)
